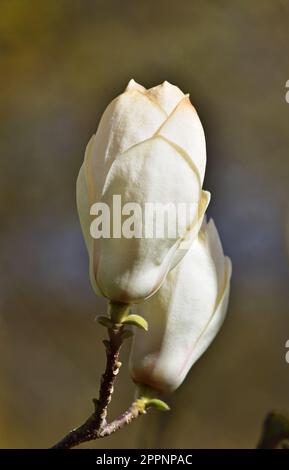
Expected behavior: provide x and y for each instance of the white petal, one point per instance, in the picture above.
(216, 321)
(133, 269)
(214, 245)
(166, 95)
(83, 206)
(193, 230)
(133, 85)
(183, 319)
(129, 119)
(184, 128)
(82, 201)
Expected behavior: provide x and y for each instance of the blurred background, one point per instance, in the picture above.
(61, 62)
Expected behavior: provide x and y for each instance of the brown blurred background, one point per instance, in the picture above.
(61, 62)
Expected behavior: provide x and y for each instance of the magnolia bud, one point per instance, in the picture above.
(184, 316)
(149, 148)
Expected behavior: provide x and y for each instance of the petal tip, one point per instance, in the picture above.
(133, 85)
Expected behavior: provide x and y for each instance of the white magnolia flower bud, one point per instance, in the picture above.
(184, 316)
(149, 147)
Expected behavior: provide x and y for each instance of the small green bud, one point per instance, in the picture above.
(158, 404)
(136, 320)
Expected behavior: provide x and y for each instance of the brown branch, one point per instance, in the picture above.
(126, 418)
(95, 425)
(275, 432)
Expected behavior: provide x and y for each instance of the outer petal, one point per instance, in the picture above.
(184, 316)
(215, 323)
(128, 120)
(166, 95)
(184, 128)
(193, 231)
(213, 243)
(83, 204)
(82, 201)
(133, 269)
